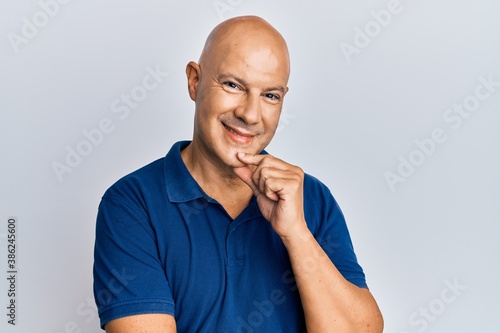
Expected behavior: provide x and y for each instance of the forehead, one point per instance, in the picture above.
(254, 63)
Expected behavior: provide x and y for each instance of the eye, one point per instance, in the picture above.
(273, 97)
(231, 85)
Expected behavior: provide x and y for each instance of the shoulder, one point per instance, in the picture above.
(137, 190)
(313, 184)
(151, 179)
(316, 193)
(320, 206)
(137, 180)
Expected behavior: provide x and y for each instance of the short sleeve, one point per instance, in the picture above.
(330, 230)
(128, 276)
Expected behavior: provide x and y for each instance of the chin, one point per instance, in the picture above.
(229, 158)
(234, 162)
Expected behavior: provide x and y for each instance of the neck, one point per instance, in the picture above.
(219, 182)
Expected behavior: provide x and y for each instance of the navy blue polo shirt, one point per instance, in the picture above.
(164, 246)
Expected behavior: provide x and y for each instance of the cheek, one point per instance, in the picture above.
(227, 102)
(218, 101)
(271, 117)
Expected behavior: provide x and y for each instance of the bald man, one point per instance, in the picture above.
(219, 235)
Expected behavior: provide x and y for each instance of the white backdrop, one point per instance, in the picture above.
(393, 104)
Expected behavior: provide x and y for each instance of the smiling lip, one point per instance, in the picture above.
(238, 135)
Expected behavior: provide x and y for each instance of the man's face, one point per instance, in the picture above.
(238, 102)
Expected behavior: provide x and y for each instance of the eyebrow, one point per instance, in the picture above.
(244, 83)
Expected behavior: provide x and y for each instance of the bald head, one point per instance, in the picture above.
(238, 88)
(246, 34)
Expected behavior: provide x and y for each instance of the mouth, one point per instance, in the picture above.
(239, 135)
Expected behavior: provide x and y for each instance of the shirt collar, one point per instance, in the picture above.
(180, 185)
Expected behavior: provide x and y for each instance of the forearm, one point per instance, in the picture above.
(330, 302)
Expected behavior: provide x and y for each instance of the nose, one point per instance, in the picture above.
(249, 110)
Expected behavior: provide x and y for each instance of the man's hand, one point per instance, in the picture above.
(278, 187)
(330, 302)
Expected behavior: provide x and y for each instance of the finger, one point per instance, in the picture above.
(272, 182)
(264, 161)
(270, 189)
(250, 159)
(261, 162)
(268, 175)
(253, 160)
(245, 174)
(262, 175)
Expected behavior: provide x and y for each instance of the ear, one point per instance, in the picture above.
(193, 73)
(286, 91)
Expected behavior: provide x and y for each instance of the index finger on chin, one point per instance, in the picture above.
(250, 159)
